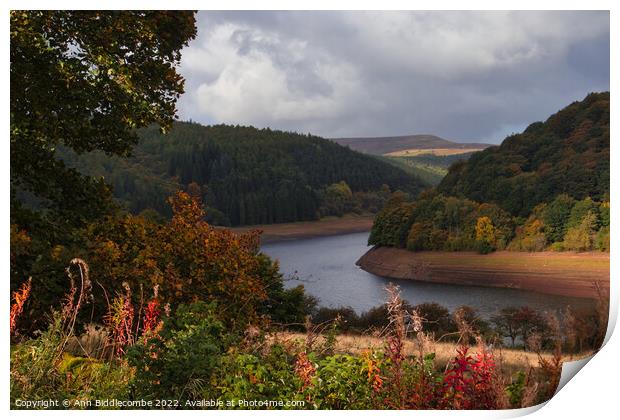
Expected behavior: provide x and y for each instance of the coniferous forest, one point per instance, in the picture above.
(245, 175)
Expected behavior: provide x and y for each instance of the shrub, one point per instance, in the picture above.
(484, 247)
(187, 349)
(340, 382)
(43, 369)
(376, 317)
(252, 376)
(347, 315)
(469, 382)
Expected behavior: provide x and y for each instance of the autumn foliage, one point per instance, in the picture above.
(19, 299)
(186, 258)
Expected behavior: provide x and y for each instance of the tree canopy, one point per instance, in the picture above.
(567, 154)
(86, 80)
(547, 188)
(246, 175)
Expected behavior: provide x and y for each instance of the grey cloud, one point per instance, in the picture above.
(461, 75)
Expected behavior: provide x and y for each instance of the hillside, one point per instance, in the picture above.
(430, 168)
(568, 153)
(544, 189)
(385, 145)
(245, 175)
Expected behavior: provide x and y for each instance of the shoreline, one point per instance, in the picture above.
(280, 232)
(558, 273)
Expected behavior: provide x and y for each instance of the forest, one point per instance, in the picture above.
(544, 189)
(245, 175)
(566, 154)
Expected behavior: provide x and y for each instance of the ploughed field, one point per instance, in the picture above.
(560, 273)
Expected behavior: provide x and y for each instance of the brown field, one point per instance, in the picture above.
(559, 273)
(511, 359)
(436, 152)
(302, 230)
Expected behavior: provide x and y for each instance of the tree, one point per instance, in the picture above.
(187, 259)
(435, 319)
(87, 80)
(507, 324)
(579, 212)
(470, 316)
(581, 237)
(485, 233)
(529, 322)
(515, 322)
(555, 216)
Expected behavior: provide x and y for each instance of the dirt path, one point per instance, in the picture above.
(558, 273)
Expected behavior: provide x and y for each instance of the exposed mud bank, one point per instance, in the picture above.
(559, 273)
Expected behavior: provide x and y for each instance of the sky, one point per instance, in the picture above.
(464, 76)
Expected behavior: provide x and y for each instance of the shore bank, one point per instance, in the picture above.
(303, 230)
(559, 273)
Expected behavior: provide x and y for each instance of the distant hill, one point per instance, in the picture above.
(246, 175)
(385, 145)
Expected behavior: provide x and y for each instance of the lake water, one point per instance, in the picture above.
(326, 267)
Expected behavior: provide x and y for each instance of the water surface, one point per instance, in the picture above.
(326, 267)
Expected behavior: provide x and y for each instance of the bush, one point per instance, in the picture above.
(484, 247)
(340, 382)
(260, 376)
(42, 370)
(348, 317)
(376, 317)
(187, 349)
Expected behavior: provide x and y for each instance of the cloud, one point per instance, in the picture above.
(462, 75)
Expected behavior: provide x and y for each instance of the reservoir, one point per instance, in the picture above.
(326, 267)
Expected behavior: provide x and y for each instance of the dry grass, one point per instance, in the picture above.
(512, 359)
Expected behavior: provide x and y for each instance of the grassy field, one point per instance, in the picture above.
(301, 230)
(434, 152)
(429, 168)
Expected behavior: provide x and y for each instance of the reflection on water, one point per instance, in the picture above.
(326, 267)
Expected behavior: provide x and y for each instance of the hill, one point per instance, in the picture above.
(546, 188)
(430, 168)
(568, 153)
(246, 175)
(417, 142)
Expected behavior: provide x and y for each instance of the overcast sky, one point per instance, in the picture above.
(464, 76)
